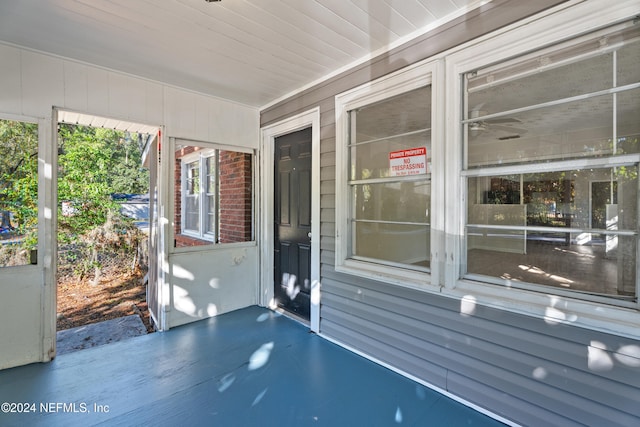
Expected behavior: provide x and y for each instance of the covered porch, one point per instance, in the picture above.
(248, 367)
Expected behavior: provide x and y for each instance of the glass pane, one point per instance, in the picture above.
(211, 223)
(628, 64)
(192, 217)
(597, 266)
(388, 158)
(193, 178)
(18, 193)
(211, 174)
(397, 201)
(392, 139)
(394, 243)
(583, 199)
(407, 112)
(594, 204)
(583, 128)
(378, 130)
(211, 214)
(567, 131)
(502, 90)
(628, 122)
(556, 73)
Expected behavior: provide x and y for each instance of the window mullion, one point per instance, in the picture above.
(352, 123)
(216, 190)
(202, 166)
(386, 138)
(407, 178)
(380, 221)
(597, 162)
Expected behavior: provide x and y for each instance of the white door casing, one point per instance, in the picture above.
(310, 118)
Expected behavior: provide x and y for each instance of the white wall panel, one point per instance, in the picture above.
(206, 283)
(42, 83)
(245, 130)
(20, 306)
(154, 98)
(128, 98)
(10, 80)
(98, 91)
(201, 118)
(120, 100)
(75, 86)
(135, 96)
(196, 117)
(179, 114)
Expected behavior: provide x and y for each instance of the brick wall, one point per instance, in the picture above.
(235, 197)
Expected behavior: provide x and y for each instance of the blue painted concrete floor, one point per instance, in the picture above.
(250, 367)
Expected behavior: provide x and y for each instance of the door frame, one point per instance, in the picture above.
(310, 118)
(28, 292)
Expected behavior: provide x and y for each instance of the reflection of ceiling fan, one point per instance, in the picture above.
(501, 125)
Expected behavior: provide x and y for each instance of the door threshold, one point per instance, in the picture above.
(293, 316)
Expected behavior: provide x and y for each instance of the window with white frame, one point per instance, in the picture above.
(384, 177)
(551, 155)
(213, 194)
(198, 197)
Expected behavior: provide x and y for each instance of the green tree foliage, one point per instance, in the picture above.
(84, 161)
(93, 164)
(19, 177)
(128, 176)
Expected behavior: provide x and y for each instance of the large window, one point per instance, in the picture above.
(385, 224)
(551, 154)
(18, 193)
(213, 194)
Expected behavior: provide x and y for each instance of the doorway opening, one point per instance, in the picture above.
(102, 230)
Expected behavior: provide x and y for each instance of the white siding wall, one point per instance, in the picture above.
(31, 84)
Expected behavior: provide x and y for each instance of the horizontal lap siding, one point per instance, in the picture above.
(517, 366)
(545, 365)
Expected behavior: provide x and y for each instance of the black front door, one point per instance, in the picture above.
(292, 228)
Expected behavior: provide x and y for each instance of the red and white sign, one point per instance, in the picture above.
(412, 161)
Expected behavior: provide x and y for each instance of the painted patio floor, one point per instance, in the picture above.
(250, 367)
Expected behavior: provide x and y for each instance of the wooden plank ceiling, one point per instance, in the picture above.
(250, 51)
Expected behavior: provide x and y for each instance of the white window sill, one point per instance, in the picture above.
(213, 247)
(392, 275)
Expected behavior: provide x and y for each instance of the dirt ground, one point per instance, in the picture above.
(118, 295)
